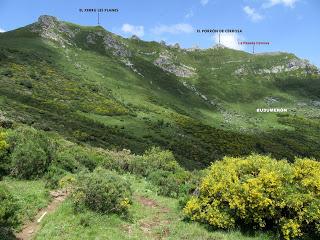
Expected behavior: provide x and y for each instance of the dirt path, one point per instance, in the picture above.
(31, 228)
(159, 221)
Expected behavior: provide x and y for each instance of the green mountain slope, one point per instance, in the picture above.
(96, 87)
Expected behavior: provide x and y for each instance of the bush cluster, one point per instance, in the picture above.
(156, 165)
(102, 191)
(32, 152)
(262, 193)
(71, 158)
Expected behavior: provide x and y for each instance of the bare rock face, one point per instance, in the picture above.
(271, 100)
(315, 103)
(193, 48)
(291, 65)
(166, 63)
(51, 28)
(240, 71)
(110, 43)
(176, 46)
(129, 64)
(47, 21)
(288, 65)
(198, 93)
(91, 38)
(118, 48)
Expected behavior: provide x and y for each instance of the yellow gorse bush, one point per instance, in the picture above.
(260, 192)
(125, 203)
(3, 143)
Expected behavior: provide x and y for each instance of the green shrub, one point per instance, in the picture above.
(102, 191)
(53, 176)
(71, 159)
(262, 193)
(32, 153)
(161, 159)
(8, 209)
(121, 161)
(66, 159)
(171, 184)
(158, 166)
(87, 157)
(153, 160)
(161, 168)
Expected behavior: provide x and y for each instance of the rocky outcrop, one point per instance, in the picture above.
(194, 48)
(288, 66)
(135, 37)
(219, 45)
(240, 71)
(47, 21)
(110, 43)
(166, 63)
(131, 65)
(118, 49)
(292, 65)
(198, 93)
(176, 46)
(147, 53)
(163, 43)
(91, 38)
(271, 100)
(315, 103)
(51, 28)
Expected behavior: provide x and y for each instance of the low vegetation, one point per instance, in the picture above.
(255, 193)
(8, 209)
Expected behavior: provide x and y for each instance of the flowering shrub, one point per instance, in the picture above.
(4, 163)
(3, 143)
(262, 193)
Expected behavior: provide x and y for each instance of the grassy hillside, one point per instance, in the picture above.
(95, 87)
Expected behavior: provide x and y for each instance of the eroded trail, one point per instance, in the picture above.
(155, 224)
(30, 229)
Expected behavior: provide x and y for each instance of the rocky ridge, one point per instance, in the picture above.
(51, 28)
(166, 63)
(291, 65)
